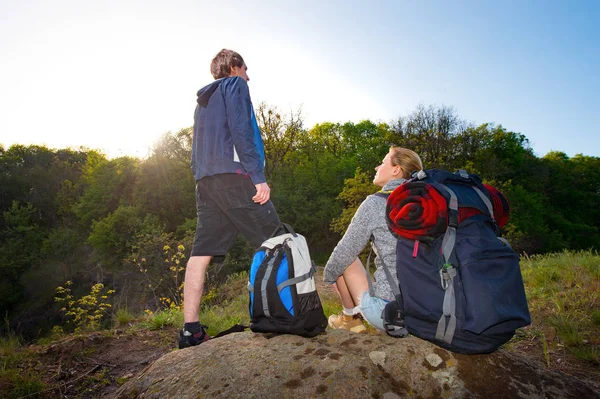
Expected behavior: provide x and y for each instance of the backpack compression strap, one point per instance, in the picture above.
(298, 279)
(463, 173)
(448, 272)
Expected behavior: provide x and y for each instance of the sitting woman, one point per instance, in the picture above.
(346, 271)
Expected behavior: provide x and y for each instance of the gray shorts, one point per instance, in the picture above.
(225, 208)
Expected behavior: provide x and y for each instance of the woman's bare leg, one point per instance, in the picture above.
(355, 277)
(351, 284)
(342, 290)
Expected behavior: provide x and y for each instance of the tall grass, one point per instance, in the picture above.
(221, 308)
(226, 305)
(563, 291)
(16, 382)
(123, 317)
(163, 318)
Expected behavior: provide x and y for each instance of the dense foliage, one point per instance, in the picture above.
(75, 215)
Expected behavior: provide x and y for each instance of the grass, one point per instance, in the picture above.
(20, 384)
(587, 354)
(15, 382)
(596, 317)
(568, 329)
(123, 317)
(163, 318)
(226, 305)
(9, 344)
(331, 306)
(563, 291)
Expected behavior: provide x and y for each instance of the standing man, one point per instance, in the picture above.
(232, 195)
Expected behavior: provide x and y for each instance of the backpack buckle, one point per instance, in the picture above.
(445, 275)
(393, 321)
(395, 331)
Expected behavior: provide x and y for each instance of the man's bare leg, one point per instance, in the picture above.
(195, 273)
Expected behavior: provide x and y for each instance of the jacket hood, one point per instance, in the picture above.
(391, 185)
(207, 91)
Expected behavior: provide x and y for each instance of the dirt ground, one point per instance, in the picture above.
(95, 365)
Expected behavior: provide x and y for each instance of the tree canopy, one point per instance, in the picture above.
(77, 215)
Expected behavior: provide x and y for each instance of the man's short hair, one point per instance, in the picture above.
(221, 65)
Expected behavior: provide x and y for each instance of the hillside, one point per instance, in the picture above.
(564, 336)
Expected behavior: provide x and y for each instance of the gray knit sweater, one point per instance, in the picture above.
(369, 220)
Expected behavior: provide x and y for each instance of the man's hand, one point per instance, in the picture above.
(263, 193)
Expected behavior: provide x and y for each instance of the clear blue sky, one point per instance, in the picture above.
(115, 75)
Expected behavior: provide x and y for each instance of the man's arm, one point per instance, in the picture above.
(237, 101)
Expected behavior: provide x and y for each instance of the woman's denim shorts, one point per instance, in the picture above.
(371, 308)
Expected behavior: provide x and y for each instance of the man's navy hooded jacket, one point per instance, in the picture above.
(226, 136)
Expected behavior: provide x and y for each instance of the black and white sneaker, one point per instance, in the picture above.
(187, 339)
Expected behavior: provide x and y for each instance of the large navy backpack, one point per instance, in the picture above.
(283, 294)
(460, 283)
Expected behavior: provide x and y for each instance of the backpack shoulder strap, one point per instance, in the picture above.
(388, 275)
(233, 329)
(382, 194)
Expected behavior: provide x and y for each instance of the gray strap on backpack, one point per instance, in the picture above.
(444, 333)
(463, 173)
(298, 279)
(447, 274)
(485, 200)
(487, 203)
(263, 284)
(388, 275)
(450, 235)
(368, 271)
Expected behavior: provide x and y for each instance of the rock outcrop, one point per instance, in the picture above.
(339, 364)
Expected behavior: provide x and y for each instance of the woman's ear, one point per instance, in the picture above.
(397, 170)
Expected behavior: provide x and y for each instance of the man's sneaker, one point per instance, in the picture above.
(350, 323)
(187, 339)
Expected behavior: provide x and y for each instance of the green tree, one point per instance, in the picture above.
(279, 134)
(430, 132)
(165, 185)
(35, 174)
(356, 189)
(106, 185)
(573, 193)
(113, 237)
(20, 241)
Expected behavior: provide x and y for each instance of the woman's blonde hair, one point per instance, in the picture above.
(407, 159)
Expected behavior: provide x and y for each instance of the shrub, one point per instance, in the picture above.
(86, 312)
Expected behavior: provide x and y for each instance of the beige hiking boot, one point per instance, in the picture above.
(350, 323)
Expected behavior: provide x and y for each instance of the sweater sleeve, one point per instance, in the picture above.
(356, 237)
(239, 119)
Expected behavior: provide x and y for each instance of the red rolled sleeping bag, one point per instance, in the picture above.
(417, 211)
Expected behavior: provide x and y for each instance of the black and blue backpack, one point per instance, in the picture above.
(283, 294)
(459, 283)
